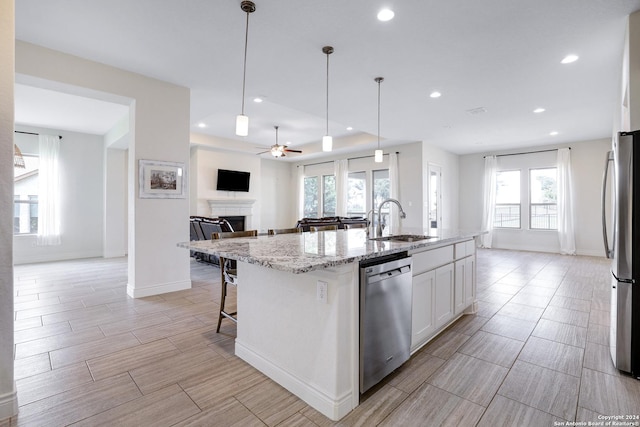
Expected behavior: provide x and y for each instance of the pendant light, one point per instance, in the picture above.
(242, 121)
(378, 153)
(327, 140)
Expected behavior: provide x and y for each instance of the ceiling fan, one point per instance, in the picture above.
(278, 150)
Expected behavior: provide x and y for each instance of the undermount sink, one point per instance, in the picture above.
(403, 238)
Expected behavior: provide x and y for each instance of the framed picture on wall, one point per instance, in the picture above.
(161, 180)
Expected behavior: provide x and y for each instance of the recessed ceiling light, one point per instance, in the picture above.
(553, 133)
(202, 125)
(258, 99)
(569, 59)
(385, 15)
(349, 128)
(539, 110)
(435, 94)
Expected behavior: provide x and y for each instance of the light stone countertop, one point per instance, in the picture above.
(303, 252)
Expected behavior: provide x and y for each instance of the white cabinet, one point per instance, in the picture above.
(459, 297)
(443, 300)
(443, 288)
(469, 280)
(464, 289)
(422, 322)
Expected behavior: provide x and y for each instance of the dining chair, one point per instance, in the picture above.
(229, 273)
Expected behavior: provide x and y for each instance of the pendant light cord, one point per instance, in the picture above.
(379, 80)
(244, 70)
(327, 115)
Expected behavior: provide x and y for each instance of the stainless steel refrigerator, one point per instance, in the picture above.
(624, 338)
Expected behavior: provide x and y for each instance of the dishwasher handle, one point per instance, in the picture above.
(388, 274)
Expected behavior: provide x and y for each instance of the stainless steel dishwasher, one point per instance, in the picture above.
(385, 317)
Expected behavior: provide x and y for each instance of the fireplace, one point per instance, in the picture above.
(236, 221)
(231, 209)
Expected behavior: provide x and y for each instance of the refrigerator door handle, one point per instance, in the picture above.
(608, 250)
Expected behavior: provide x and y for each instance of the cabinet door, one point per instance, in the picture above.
(443, 295)
(422, 326)
(469, 280)
(459, 296)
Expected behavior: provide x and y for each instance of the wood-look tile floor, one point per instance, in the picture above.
(535, 353)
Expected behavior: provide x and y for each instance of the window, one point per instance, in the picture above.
(311, 197)
(320, 193)
(328, 195)
(381, 192)
(25, 205)
(507, 199)
(543, 212)
(356, 194)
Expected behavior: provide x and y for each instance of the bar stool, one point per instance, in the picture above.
(274, 231)
(229, 273)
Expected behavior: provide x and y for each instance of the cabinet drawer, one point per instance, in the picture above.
(428, 260)
(470, 247)
(464, 249)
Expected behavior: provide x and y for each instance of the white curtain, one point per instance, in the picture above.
(49, 191)
(394, 193)
(300, 188)
(566, 233)
(489, 209)
(341, 171)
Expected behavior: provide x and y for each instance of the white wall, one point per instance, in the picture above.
(449, 163)
(634, 70)
(159, 130)
(205, 164)
(277, 196)
(81, 180)
(270, 184)
(587, 161)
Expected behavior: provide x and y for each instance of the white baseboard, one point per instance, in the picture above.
(332, 408)
(161, 288)
(114, 254)
(9, 404)
(54, 256)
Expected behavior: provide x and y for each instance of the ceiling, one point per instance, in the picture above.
(494, 61)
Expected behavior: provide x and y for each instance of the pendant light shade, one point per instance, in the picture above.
(378, 153)
(242, 121)
(377, 156)
(242, 125)
(327, 140)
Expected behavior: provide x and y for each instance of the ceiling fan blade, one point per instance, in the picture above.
(263, 152)
(293, 151)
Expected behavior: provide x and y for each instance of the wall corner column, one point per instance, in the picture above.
(8, 393)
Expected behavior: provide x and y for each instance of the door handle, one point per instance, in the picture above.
(607, 250)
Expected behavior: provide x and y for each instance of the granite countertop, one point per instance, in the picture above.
(302, 252)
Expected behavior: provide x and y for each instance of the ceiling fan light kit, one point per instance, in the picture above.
(242, 121)
(278, 150)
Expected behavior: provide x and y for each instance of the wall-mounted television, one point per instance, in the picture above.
(229, 180)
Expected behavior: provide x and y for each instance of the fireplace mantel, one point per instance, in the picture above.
(233, 207)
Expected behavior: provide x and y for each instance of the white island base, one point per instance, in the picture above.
(305, 343)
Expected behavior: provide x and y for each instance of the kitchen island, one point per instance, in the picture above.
(299, 299)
